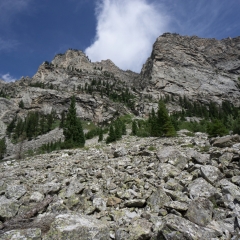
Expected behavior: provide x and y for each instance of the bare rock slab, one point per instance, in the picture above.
(70, 226)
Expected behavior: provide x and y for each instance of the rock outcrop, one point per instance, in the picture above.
(202, 69)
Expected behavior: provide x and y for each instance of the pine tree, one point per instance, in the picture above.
(111, 137)
(73, 131)
(100, 136)
(165, 126)
(21, 104)
(134, 128)
(2, 148)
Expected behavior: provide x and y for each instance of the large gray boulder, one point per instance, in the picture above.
(200, 211)
(72, 226)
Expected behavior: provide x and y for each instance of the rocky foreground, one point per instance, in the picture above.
(138, 188)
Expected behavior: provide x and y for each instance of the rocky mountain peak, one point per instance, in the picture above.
(202, 69)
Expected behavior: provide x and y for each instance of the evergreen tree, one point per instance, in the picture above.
(73, 131)
(165, 126)
(21, 104)
(62, 119)
(134, 128)
(216, 128)
(2, 148)
(111, 137)
(100, 137)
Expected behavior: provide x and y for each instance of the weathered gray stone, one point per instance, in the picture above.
(71, 226)
(140, 230)
(31, 234)
(200, 211)
(201, 188)
(8, 207)
(226, 141)
(176, 205)
(173, 225)
(157, 200)
(36, 197)
(211, 173)
(135, 203)
(99, 204)
(15, 191)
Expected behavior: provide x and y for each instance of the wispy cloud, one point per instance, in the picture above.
(126, 31)
(7, 45)
(9, 8)
(7, 77)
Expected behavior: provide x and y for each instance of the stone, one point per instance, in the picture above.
(157, 200)
(99, 204)
(113, 201)
(71, 226)
(9, 207)
(176, 205)
(120, 152)
(211, 173)
(172, 156)
(139, 203)
(180, 228)
(201, 188)
(15, 191)
(199, 157)
(36, 197)
(121, 234)
(140, 230)
(200, 211)
(226, 141)
(31, 233)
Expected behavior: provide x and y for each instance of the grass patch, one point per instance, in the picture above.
(151, 148)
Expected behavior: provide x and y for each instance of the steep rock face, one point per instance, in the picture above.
(202, 69)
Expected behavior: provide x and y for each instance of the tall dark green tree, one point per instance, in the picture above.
(2, 148)
(73, 130)
(100, 136)
(111, 137)
(134, 128)
(164, 124)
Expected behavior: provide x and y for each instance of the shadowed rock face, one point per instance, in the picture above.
(202, 69)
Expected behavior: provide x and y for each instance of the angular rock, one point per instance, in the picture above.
(31, 234)
(141, 229)
(8, 207)
(211, 173)
(135, 203)
(180, 228)
(99, 204)
(71, 226)
(157, 199)
(15, 191)
(226, 141)
(172, 156)
(36, 197)
(120, 152)
(112, 201)
(201, 188)
(166, 170)
(200, 211)
(176, 205)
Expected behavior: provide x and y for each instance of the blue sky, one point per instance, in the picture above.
(33, 31)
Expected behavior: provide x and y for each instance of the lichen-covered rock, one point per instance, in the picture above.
(140, 230)
(201, 188)
(25, 234)
(211, 173)
(181, 228)
(157, 199)
(8, 207)
(112, 201)
(15, 191)
(200, 211)
(72, 226)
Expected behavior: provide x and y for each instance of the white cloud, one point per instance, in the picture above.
(126, 31)
(7, 77)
